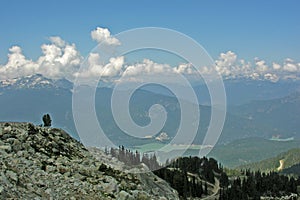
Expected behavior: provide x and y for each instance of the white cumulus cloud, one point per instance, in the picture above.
(276, 66)
(58, 60)
(147, 67)
(290, 66)
(57, 41)
(17, 65)
(95, 69)
(229, 66)
(271, 77)
(102, 35)
(226, 63)
(261, 65)
(185, 69)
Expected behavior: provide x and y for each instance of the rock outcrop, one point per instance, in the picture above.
(46, 163)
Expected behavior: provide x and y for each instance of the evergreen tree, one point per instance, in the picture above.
(205, 189)
(224, 182)
(47, 120)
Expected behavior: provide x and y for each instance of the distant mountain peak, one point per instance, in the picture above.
(36, 81)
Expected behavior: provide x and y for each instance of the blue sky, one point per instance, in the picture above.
(269, 30)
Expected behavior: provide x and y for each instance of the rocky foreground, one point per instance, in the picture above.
(46, 163)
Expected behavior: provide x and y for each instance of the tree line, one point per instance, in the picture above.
(254, 185)
(131, 158)
(191, 177)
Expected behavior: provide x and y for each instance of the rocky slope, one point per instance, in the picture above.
(46, 163)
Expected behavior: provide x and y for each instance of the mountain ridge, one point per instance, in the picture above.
(36, 81)
(278, 163)
(249, 150)
(43, 162)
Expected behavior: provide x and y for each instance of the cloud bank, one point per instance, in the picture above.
(229, 66)
(58, 60)
(61, 59)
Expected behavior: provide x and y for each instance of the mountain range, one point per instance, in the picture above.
(28, 98)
